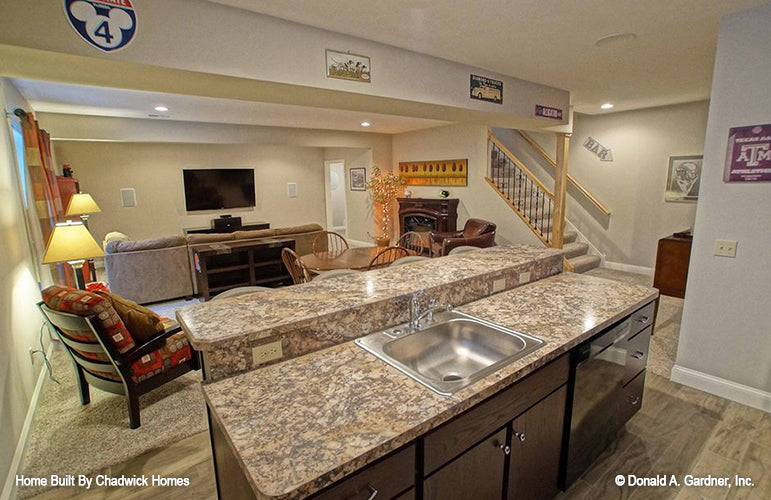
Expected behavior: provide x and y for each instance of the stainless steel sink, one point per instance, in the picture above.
(451, 353)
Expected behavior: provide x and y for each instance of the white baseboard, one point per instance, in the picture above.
(9, 488)
(721, 387)
(629, 268)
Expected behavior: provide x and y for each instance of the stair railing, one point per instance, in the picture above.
(572, 180)
(521, 190)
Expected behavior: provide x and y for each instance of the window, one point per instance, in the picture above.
(18, 146)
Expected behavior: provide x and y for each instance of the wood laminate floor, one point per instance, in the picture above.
(678, 431)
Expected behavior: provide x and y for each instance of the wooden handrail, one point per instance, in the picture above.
(572, 180)
(521, 166)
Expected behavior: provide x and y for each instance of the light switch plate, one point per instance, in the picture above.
(291, 189)
(499, 285)
(267, 352)
(725, 248)
(524, 277)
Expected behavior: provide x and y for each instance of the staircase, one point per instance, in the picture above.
(534, 203)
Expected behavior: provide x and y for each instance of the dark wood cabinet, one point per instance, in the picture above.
(672, 259)
(536, 442)
(477, 473)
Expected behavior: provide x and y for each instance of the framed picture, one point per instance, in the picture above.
(347, 66)
(358, 179)
(683, 178)
(486, 89)
(434, 173)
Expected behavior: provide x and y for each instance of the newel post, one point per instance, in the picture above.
(560, 189)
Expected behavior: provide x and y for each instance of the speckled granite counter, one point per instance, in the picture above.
(320, 314)
(303, 424)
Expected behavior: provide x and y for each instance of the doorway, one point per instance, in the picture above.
(334, 184)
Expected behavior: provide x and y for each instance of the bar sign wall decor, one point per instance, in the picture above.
(486, 89)
(748, 158)
(547, 112)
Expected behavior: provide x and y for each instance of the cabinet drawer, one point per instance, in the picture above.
(389, 477)
(630, 399)
(461, 433)
(637, 354)
(642, 318)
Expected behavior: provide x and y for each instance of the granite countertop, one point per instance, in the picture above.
(213, 324)
(303, 424)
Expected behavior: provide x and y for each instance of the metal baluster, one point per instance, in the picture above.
(548, 223)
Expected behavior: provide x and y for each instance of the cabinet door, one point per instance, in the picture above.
(536, 443)
(477, 474)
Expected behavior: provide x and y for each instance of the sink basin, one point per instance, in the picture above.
(451, 353)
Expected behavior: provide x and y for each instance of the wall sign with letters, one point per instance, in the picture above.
(108, 25)
(547, 112)
(600, 151)
(748, 158)
(486, 89)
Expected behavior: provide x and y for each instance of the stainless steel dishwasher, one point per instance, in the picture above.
(608, 375)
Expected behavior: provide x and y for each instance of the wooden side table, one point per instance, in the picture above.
(672, 259)
(231, 264)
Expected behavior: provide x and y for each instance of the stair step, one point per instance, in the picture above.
(574, 249)
(569, 237)
(584, 263)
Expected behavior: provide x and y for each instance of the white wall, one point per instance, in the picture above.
(155, 172)
(478, 199)
(19, 318)
(726, 327)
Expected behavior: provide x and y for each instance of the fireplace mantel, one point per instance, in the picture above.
(440, 213)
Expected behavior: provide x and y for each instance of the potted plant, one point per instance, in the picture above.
(384, 189)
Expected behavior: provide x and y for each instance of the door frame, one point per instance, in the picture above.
(328, 197)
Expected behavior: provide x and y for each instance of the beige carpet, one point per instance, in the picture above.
(68, 438)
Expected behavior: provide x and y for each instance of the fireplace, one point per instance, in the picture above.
(424, 215)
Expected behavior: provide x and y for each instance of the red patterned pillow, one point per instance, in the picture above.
(83, 303)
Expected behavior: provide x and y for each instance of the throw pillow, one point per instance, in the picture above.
(143, 323)
(114, 236)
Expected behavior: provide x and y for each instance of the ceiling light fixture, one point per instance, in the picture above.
(615, 37)
(161, 108)
(607, 105)
(365, 124)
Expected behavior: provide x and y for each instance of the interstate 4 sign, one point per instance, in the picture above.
(108, 25)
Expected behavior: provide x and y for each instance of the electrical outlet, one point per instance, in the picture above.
(499, 285)
(725, 248)
(267, 352)
(524, 277)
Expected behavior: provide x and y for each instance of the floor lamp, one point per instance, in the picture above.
(72, 243)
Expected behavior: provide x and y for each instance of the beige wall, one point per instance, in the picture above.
(632, 185)
(20, 320)
(155, 172)
(725, 339)
(478, 199)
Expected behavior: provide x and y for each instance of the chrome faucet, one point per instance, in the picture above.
(416, 315)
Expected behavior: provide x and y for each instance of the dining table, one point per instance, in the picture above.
(357, 258)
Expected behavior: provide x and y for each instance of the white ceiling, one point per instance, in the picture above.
(48, 97)
(544, 41)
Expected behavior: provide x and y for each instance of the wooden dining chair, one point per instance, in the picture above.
(330, 243)
(412, 241)
(294, 265)
(386, 256)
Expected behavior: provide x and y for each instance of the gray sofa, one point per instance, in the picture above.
(161, 269)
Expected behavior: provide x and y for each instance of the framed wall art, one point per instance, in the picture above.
(434, 173)
(358, 177)
(748, 158)
(347, 66)
(683, 179)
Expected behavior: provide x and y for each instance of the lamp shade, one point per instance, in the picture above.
(82, 203)
(69, 242)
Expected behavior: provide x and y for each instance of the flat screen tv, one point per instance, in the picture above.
(218, 188)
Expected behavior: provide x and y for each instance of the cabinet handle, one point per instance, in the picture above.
(643, 319)
(372, 493)
(519, 435)
(633, 400)
(638, 355)
(505, 448)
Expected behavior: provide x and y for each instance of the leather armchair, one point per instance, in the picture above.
(476, 233)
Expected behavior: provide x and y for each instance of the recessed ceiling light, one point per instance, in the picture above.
(161, 108)
(365, 124)
(607, 105)
(615, 37)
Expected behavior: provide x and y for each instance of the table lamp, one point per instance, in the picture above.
(82, 204)
(72, 243)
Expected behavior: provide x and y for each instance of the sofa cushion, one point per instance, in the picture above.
(83, 303)
(143, 323)
(114, 235)
(194, 239)
(175, 352)
(305, 228)
(117, 246)
(258, 233)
